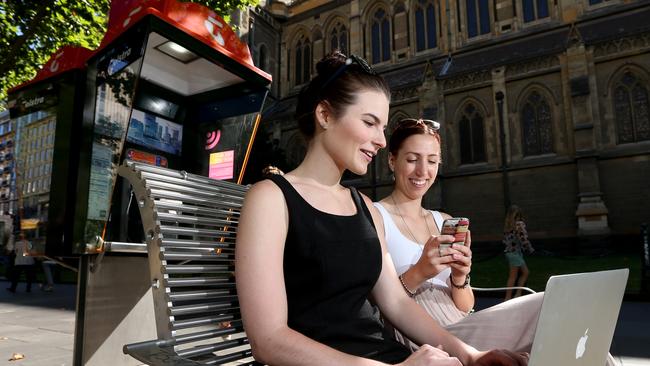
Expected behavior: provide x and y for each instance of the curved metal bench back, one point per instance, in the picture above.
(190, 223)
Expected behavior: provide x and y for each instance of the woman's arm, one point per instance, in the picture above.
(433, 261)
(410, 318)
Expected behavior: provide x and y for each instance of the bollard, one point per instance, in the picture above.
(645, 265)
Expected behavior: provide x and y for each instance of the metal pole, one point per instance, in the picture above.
(504, 161)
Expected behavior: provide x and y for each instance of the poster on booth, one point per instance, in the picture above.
(222, 165)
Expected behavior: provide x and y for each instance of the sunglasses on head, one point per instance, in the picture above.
(429, 124)
(365, 67)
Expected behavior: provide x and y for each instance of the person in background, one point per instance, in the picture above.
(6, 252)
(439, 279)
(310, 255)
(47, 264)
(515, 239)
(23, 262)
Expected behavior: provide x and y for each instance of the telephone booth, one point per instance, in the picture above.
(42, 158)
(172, 86)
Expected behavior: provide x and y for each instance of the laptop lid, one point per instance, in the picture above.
(578, 317)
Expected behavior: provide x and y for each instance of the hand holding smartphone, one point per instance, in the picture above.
(457, 227)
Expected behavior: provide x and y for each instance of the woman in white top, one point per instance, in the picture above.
(437, 278)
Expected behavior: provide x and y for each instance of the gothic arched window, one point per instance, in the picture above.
(536, 125)
(302, 58)
(380, 36)
(534, 9)
(631, 109)
(477, 17)
(471, 135)
(339, 38)
(425, 25)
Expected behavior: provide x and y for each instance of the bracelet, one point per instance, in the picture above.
(408, 290)
(460, 287)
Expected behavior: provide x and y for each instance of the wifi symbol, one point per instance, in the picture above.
(212, 139)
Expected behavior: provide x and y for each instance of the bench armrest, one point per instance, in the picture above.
(157, 353)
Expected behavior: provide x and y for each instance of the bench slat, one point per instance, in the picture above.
(204, 307)
(178, 230)
(199, 244)
(199, 281)
(209, 187)
(189, 269)
(202, 321)
(198, 295)
(201, 256)
(167, 217)
(187, 208)
(208, 349)
(158, 194)
(235, 327)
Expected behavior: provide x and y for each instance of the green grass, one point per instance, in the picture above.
(493, 272)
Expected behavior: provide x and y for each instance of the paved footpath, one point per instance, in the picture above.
(40, 325)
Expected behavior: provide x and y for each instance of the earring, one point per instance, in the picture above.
(324, 126)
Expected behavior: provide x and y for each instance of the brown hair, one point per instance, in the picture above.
(408, 127)
(339, 78)
(514, 214)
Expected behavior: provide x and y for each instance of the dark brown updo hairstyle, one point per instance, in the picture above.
(338, 79)
(408, 127)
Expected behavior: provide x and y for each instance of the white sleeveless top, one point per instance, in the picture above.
(404, 251)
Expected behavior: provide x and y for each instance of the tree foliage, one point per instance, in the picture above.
(30, 31)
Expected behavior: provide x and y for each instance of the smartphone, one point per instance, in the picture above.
(457, 227)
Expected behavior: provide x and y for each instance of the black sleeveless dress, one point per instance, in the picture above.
(331, 264)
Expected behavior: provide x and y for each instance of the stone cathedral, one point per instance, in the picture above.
(543, 103)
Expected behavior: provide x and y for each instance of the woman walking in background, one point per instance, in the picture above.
(515, 239)
(23, 262)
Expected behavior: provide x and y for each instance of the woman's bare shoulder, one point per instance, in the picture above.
(264, 195)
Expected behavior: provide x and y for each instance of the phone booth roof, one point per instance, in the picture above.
(64, 59)
(195, 20)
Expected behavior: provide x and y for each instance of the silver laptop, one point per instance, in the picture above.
(578, 317)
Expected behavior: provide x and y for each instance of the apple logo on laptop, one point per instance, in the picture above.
(582, 345)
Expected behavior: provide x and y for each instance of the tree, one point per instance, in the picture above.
(30, 31)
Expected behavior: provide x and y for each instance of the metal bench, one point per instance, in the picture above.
(190, 223)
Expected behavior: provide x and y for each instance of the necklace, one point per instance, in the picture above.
(406, 225)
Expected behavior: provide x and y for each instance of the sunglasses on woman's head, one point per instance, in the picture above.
(429, 124)
(365, 67)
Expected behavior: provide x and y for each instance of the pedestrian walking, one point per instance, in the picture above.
(23, 262)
